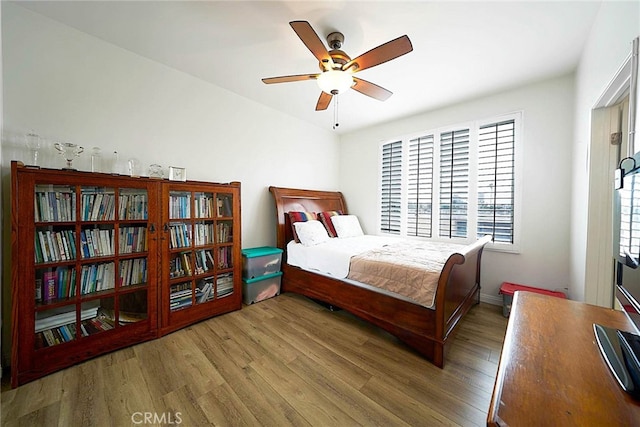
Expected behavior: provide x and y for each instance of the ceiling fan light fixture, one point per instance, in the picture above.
(335, 82)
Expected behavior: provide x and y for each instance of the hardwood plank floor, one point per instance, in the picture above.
(283, 361)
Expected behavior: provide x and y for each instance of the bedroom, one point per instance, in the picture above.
(49, 66)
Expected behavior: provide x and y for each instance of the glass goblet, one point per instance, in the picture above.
(34, 143)
(96, 159)
(69, 151)
(134, 167)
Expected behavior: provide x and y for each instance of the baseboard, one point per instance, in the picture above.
(491, 299)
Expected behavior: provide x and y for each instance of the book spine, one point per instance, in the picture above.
(38, 290)
(49, 291)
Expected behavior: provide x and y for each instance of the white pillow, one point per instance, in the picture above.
(311, 232)
(347, 226)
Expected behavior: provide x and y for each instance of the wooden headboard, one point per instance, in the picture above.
(291, 199)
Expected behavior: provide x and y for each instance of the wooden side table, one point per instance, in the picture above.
(551, 371)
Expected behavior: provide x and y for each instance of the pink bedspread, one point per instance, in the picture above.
(411, 269)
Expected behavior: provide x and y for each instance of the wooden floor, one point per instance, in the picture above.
(284, 361)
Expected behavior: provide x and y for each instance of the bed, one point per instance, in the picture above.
(425, 329)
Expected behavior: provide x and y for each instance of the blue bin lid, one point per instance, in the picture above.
(261, 251)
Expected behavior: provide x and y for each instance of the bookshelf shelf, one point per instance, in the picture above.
(94, 262)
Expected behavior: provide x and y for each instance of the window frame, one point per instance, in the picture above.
(472, 202)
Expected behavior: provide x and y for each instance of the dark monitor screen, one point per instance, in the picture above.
(629, 216)
(622, 357)
(628, 291)
(627, 238)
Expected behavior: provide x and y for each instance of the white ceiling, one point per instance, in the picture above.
(461, 50)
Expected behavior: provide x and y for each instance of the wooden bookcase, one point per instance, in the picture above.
(201, 248)
(92, 258)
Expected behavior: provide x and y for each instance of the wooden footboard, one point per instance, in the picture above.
(424, 329)
(459, 285)
(413, 324)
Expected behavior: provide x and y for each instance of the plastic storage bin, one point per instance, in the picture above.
(262, 261)
(261, 288)
(508, 289)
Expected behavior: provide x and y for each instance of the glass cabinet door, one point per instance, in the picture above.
(91, 260)
(200, 240)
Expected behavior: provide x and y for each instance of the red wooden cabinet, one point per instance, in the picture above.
(201, 251)
(93, 263)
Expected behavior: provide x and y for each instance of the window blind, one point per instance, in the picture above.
(454, 183)
(457, 183)
(496, 180)
(391, 187)
(420, 186)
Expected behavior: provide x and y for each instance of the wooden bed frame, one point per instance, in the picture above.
(424, 329)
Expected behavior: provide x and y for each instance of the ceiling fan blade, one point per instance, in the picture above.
(323, 101)
(286, 79)
(378, 55)
(371, 89)
(310, 39)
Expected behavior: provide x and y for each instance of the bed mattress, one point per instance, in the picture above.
(409, 268)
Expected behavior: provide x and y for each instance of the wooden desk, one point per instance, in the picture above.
(551, 371)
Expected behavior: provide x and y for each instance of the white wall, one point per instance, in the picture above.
(609, 44)
(545, 218)
(68, 85)
(73, 87)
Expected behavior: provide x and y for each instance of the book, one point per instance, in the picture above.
(95, 209)
(227, 208)
(57, 336)
(48, 336)
(60, 283)
(84, 249)
(108, 280)
(66, 336)
(53, 251)
(43, 246)
(204, 291)
(90, 327)
(62, 245)
(49, 279)
(71, 238)
(72, 206)
(186, 262)
(38, 250)
(72, 329)
(90, 244)
(105, 242)
(38, 290)
(40, 340)
(210, 259)
(72, 283)
(85, 333)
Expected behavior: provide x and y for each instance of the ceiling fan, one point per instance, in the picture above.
(337, 68)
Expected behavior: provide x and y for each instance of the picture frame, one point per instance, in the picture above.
(177, 174)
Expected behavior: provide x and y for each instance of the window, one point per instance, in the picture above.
(453, 184)
(496, 180)
(420, 186)
(391, 187)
